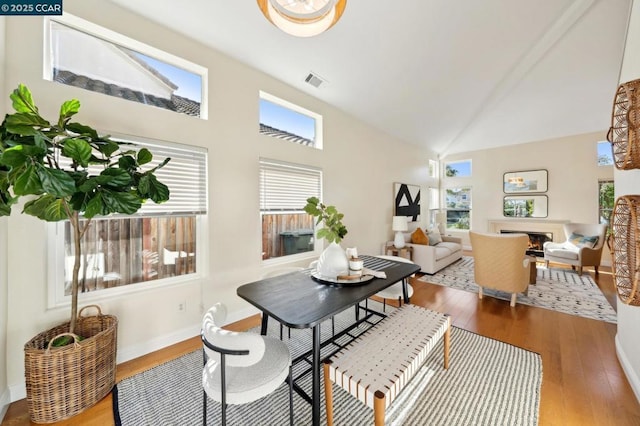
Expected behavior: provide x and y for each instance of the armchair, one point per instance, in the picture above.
(583, 246)
(500, 262)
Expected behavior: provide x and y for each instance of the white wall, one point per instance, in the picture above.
(573, 176)
(4, 391)
(360, 165)
(628, 182)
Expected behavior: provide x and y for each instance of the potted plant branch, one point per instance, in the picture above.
(333, 260)
(68, 172)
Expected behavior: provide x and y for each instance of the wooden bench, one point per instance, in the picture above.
(376, 366)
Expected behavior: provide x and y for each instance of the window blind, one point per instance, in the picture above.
(185, 175)
(286, 187)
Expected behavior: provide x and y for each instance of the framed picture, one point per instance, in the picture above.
(407, 201)
(525, 181)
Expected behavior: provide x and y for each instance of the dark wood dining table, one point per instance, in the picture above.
(299, 301)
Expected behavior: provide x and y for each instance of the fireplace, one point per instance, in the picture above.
(536, 240)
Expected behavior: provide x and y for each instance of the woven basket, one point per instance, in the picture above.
(62, 382)
(624, 133)
(626, 248)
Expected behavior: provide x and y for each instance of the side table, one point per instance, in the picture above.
(406, 251)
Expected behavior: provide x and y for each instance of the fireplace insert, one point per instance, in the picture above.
(536, 241)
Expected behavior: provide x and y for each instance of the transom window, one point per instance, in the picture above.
(605, 155)
(157, 245)
(285, 120)
(284, 188)
(458, 168)
(85, 55)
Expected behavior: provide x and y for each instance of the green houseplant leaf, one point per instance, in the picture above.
(102, 177)
(333, 230)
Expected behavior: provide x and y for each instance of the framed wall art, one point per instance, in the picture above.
(407, 201)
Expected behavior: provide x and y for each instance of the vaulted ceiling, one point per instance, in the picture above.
(452, 76)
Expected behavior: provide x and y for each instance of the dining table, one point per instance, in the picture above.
(302, 300)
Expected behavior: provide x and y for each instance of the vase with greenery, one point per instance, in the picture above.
(67, 171)
(333, 260)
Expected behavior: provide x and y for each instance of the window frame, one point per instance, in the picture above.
(609, 156)
(56, 245)
(447, 208)
(318, 143)
(601, 183)
(116, 38)
(317, 247)
(447, 163)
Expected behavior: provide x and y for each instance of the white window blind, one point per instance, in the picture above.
(286, 187)
(185, 175)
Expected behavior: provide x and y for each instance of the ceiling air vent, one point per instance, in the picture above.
(315, 80)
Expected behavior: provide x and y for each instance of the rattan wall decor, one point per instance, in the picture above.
(625, 253)
(624, 133)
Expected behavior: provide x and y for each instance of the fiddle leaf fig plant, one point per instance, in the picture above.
(333, 230)
(69, 172)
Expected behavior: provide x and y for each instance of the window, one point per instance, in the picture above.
(458, 168)
(157, 244)
(458, 202)
(433, 168)
(287, 121)
(91, 57)
(606, 200)
(605, 156)
(284, 188)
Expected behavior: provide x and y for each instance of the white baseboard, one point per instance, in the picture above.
(19, 391)
(632, 375)
(5, 400)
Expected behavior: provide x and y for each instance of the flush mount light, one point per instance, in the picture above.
(302, 18)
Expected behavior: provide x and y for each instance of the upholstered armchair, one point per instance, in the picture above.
(500, 262)
(583, 246)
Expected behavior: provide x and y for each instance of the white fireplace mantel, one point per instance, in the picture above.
(529, 225)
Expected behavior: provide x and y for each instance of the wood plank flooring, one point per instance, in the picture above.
(583, 383)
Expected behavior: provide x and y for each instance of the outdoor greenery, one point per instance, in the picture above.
(66, 170)
(333, 230)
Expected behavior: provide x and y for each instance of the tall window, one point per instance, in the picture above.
(433, 168)
(606, 201)
(458, 202)
(605, 156)
(90, 57)
(285, 120)
(458, 168)
(284, 188)
(153, 246)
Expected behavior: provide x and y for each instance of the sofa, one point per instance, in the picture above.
(435, 255)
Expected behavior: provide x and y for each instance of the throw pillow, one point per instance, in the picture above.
(580, 240)
(434, 237)
(419, 237)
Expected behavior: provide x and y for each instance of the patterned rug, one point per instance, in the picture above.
(557, 289)
(488, 383)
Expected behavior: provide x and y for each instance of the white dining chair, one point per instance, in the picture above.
(394, 291)
(240, 368)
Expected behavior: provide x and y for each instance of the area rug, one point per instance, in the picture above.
(557, 289)
(488, 383)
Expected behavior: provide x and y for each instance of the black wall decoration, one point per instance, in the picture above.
(407, 201)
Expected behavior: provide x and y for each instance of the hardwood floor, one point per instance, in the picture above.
(583, 383)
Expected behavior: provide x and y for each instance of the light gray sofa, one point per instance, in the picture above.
(433, 258)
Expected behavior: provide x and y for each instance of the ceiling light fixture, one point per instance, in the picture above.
(303, 18)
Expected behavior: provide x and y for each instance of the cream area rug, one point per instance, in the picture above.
(557, 289)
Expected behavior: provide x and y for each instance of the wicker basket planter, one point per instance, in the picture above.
(624, 133)
(62, 382)
(626, 248)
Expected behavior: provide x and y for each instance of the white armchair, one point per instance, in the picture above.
(583, 246)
